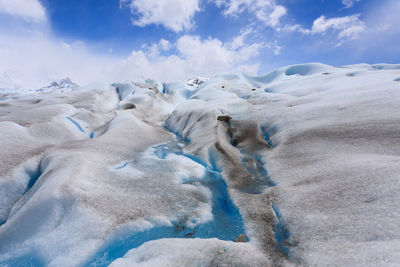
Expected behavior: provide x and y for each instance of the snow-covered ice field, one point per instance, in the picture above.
(304, 161)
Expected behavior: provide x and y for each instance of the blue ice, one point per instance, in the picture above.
(76, 124)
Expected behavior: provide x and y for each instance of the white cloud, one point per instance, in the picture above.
(295, 28)
(194, 57)
(349, 3)
(344, 28)
(141, 64)
(274, 45)
(31, 58)
(164, 45)
(380, 39)
(275, 16)
(34, 60)
(29, 10)
(173, 14)
(239, 40)
(267, 11)
(349, 27)
(155, 49)
(351, 32)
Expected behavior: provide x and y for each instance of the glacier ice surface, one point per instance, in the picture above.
(303, 161)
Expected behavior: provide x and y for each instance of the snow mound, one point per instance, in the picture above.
(294, 70)
(307, 69)
(386, 66)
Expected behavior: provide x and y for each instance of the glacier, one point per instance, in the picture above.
(296, 167)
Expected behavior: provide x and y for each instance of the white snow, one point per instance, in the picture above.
(144, 173)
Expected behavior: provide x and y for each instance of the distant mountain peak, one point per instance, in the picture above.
(60, 84)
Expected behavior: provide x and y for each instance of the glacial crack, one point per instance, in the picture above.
(226, 224)
(33, 175)
(238, 136)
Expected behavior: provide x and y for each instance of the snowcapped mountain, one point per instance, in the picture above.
(297, 167)
(65, 83)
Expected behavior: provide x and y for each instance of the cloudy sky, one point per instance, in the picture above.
(109, 40)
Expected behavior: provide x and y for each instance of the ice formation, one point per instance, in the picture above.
(302, 164)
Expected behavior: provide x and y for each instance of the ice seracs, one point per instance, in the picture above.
(301, 164)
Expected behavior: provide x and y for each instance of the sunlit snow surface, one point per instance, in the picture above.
(303, 161)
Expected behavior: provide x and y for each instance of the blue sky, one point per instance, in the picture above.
(173, 39)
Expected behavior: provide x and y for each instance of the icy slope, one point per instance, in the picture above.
(304, 161)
